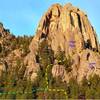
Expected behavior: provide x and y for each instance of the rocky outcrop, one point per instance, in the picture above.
(89, 64)
(3, 67)
(68, 28)
(12, 50)
(58, 71)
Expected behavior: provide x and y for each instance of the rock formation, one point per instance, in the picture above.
(12, 49)
(68, 28)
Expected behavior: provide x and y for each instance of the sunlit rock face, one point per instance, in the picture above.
(68, 28)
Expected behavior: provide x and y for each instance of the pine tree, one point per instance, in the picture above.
(73, 87)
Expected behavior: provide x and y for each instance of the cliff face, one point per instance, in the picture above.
(67, 24)
(68, 28)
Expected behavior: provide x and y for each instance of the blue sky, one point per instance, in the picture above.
(22, 16)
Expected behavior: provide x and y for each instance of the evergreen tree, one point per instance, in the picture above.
(73, 88)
